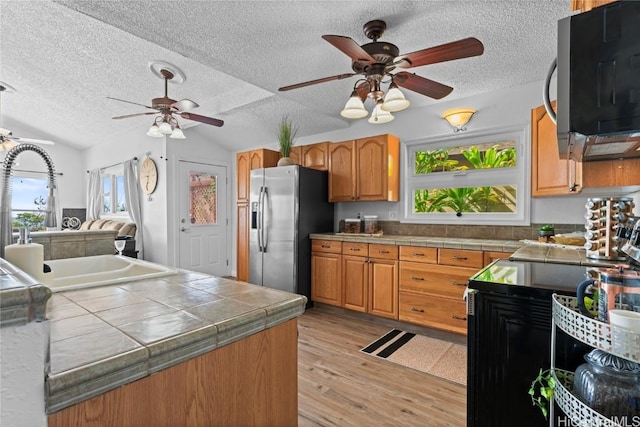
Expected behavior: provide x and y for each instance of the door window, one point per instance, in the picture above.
(203, 198)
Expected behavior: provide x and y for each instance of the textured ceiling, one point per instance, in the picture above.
(65, 57)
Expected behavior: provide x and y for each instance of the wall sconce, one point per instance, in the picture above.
(458, 117)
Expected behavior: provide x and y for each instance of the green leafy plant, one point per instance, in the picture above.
(287, 132)
(30, 220)
(542, 389)
(546, 228)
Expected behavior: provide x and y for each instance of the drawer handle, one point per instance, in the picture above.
(380, 251)
(325, 246)
(355, 249)
(459, 258)
(417, 310)
(453, 316)
(417, 278)
(458, 284)
(416, 254)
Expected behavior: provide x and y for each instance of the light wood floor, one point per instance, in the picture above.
(339, 386)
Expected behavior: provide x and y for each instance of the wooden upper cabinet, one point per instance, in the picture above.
(612, 173)
(365, 169)
(342, 172)
(586, 5)
(550, 175)
(296, 155)
(245, 163)
(315, 156)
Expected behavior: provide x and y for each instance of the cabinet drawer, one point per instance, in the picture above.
(441, 313)
(440, 280)
(357, 249)
(461, 257)
(419, 254)
(331, 246)
(383, 251)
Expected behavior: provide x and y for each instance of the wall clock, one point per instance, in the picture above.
(148, 176)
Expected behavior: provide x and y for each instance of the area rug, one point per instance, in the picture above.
(432, 356)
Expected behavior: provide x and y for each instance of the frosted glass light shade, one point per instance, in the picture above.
(458, 117)
(394, 100)
(354, 108)
(380, 116)
(154, 132)
(177, 134)
(165, 128)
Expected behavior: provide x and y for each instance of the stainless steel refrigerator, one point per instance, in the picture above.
(287, 204)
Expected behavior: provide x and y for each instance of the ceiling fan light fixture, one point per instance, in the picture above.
(165, 128)
(394, 100)
(458, 117)
(380, 116)
(154, 132)
(177, 133)
(354, 108)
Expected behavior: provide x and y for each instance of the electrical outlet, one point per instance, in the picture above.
(393, 215)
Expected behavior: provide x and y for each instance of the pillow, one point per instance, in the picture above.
(87, 224)
(128, 229)
(112, 225)
(98, 224)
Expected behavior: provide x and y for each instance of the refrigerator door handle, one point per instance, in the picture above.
(265, 209)
(260, 214)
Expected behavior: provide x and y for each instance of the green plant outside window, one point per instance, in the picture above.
(466, 199)
(480, 156)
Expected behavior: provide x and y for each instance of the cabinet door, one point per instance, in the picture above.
(242, 248)
(315, 156)
(342, 172)
(435, 312)
(326, 278)
(371, 181)
(550, 175)
(586, 5)
(383, 288)
(243, 169)
(355, 279)
(612, 173)
(296, 155)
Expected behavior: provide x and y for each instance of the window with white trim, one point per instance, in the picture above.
(475, 179)
(113, 200)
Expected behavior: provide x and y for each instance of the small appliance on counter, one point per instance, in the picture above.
(606, 219)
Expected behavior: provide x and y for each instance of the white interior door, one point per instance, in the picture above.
(203, 226)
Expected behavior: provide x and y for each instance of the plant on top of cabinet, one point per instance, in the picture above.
(287, 132)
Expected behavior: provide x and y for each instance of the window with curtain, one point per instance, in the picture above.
(113, 197)
(468, 179)
(29, 201)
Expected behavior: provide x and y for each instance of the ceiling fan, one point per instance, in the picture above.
(376, 60)
(166, 108)
(7, 140)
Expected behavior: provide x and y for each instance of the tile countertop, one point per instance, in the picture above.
(105, 337)
(558, 255)
(433, 242)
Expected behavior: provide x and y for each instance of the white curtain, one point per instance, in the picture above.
(132, 199)
(94, 199)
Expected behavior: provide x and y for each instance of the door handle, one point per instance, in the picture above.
(260, 215)
(417, 310)
(265, 209)
(184, 229)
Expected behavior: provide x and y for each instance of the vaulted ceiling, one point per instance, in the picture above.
(64, 58)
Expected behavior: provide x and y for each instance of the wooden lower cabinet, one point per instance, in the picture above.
(383, 288)
(326, 278)
(432, 311)
(355, 281)
(490, 256)
(251, 382)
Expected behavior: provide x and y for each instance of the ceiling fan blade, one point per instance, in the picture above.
(421, 85)
(132, 115)
(349, 47)
(129, 102)
(464, 48)
(184, 105)
(31, 141)
(201, 119)
(313, 82)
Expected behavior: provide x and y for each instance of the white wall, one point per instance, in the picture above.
(154, 211)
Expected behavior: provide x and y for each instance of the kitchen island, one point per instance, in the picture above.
(184, 349)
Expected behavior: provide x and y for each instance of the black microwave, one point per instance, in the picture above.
(598, 77)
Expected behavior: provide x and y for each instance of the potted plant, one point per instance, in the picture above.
(286, 138)
(545, 233)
